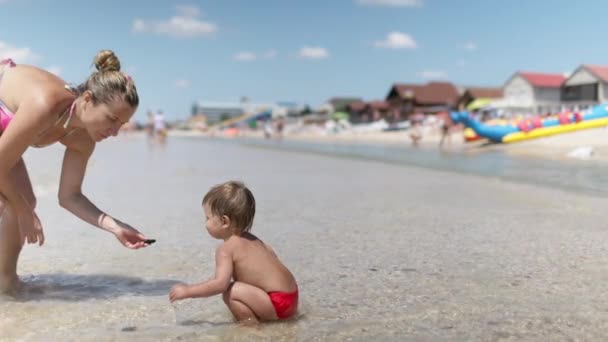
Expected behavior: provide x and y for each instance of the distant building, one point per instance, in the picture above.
(434, 97)
(533, 93)
(289, 108)
(586, 86)
(368, 111)
(218, 111)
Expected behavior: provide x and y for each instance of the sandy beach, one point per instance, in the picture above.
(557, 147)
(380, 251)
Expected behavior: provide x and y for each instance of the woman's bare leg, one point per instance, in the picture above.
(10, 237)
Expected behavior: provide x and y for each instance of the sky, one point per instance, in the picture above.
(302, 51)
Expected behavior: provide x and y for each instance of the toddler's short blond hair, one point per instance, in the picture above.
(234, 200)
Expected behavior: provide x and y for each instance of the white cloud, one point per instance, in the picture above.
(139, 25)
(391, 3)
(54, 70)
(182, 83)
(313, 52)
(245, 56)
(433, 74)
(248, 56)
(270, 54)
(18, 54)
(397, 40)
(471, 46)
(188, 10)
(184, 25)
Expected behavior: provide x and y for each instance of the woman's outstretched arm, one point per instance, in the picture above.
(71, 197)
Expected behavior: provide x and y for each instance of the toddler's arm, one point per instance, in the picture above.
(211, 287)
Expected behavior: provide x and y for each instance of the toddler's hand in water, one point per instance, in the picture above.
(178, 292)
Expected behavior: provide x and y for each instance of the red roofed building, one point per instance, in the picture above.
(368, 111)
(533, 93)
(541, 80)
(587, 86)
(434, 97)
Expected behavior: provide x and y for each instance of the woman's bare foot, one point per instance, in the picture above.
(10, 284)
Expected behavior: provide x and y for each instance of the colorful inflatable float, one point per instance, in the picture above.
(536, 127)
(470, 135)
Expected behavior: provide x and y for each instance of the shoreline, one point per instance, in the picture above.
(529, 162)
(589, 146)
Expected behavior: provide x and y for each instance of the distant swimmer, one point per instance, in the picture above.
(160, 126)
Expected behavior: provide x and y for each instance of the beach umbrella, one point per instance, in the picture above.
(479, 103)
(340, 116)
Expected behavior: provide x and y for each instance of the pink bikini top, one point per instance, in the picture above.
(6, 115)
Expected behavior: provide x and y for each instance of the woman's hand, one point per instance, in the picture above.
(129, 236)
(30, 227)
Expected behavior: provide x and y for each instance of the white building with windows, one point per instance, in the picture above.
(532, 93)
(587, 86)
(219, 111)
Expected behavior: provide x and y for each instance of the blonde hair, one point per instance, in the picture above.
(108, 84)
(234, 200)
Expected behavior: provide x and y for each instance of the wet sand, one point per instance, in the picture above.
(380, 251)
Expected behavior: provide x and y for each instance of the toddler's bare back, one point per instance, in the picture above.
(255, 263)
